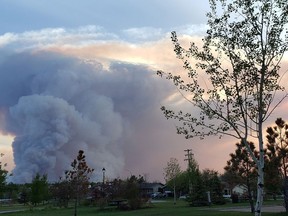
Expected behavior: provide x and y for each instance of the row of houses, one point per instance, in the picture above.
(153, 188)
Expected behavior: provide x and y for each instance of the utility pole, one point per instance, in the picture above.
(189, 157)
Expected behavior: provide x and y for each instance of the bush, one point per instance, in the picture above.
(102, 203)
(135, 203)
(219, 201)
(199, 203)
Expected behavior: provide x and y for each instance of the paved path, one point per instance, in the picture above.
(9, 211)
(276, 208)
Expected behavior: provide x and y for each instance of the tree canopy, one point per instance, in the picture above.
(39, 189)
(243, 168)
(79, 176)
(234, 77)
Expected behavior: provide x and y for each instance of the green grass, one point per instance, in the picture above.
(157, 209)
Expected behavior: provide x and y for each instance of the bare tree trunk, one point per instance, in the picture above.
(260, 180)
(76, 198)
(174, 193)
(260, 192)
(250, 197)
(260, 170)
(75, 207)
(260, 167)
(285, 190)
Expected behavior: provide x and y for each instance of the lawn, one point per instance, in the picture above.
(157, 209)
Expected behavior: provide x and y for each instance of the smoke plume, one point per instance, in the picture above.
(55, 105)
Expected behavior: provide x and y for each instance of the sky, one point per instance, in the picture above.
(82, 75)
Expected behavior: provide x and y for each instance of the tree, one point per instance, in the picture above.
(171, 171)
(277, 155)
(273, 178)
(79, 177)
(132, 191)
(207, 188)
(3, 175)
(62, 191)
(12, 191)
(236, 74)
(182, 183)
(25, 193)
(242, 165)
(197, 195)
(39, 189)
(212, 185)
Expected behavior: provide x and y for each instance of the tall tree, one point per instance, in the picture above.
(277, 155)
(171, 171)
(242, 165)
(39, 189)
(235, 76)
(3, 175)
(79, 176)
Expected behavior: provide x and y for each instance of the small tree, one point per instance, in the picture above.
(39, 189)
(171, 171)
(182, 183)
(242, 165)
(197, 195)
(132, 191)
(277, 155)
(212, 184)
(61, 192)
(25, 193)
(235, 76)
(79, 177)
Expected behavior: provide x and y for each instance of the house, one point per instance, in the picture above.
(150, 188)
(240, 189)
(226, 190)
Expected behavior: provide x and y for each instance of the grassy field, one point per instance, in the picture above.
(157, 209)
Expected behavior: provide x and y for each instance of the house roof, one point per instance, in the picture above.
(151, 185)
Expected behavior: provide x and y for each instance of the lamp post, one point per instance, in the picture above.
(103, 171)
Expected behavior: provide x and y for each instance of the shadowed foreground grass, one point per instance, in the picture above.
(157, 209)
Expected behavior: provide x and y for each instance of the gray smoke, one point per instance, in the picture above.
(56, 105)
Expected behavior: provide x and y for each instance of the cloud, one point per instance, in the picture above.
(143, 34)
(52, 36)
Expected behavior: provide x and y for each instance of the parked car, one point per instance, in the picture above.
(186, 196)
(156, 195)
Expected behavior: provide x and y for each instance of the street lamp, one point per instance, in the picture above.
(103, 170)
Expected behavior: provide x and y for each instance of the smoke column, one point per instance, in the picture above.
(55, 105)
